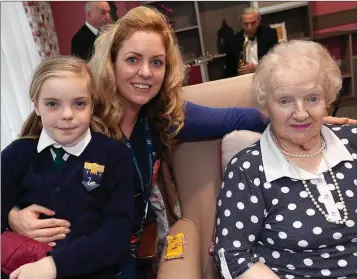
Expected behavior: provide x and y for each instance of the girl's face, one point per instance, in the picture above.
(65, 107)
(140, 67)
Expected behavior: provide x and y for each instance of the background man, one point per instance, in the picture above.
(97, 15)
(261, 40)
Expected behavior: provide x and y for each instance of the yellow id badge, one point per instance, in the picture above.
(175, 246)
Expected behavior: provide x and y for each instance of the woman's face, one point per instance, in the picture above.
(296, 108)
(140, 66)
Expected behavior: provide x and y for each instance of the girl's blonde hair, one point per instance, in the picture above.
(58, 67)
(166, 109)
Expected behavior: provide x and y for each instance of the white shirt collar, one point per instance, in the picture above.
(276, 166)
(45, 140)
(252, 51)
(94, 30)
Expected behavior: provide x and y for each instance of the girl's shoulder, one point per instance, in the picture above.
(23, 147)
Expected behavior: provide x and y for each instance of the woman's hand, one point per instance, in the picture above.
(42, 269)
(26, 222)
(339, 120)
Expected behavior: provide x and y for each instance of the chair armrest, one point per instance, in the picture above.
(191, 265)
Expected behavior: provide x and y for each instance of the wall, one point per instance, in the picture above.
(337, 12)
(263, 4)
(340, 9)
(124, 6)
(324, 8)
(69, 16)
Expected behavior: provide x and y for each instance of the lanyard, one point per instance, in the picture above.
(150, 161)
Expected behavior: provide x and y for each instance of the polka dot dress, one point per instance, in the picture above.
(277, 224)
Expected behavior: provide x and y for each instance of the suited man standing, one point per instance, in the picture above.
(97, 15)
(261, 40)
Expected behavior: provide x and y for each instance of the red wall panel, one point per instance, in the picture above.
(325, 7)
(319, 8)
(124, 6)
(68, 17)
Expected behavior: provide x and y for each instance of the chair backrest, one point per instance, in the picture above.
(197, 165)
(229, 92)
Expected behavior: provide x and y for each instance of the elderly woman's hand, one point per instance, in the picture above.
(26, 222)
(339, 120)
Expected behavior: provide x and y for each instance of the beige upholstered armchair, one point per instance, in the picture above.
(197, 170)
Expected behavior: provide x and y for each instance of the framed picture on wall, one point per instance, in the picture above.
(281, 30)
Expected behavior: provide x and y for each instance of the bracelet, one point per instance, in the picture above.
(192, 223)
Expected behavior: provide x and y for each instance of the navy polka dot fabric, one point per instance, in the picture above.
(277, 224)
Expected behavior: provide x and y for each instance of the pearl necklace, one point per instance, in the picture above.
(305, 156)
(307, 189)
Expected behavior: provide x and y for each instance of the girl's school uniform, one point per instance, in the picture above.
(94, 191)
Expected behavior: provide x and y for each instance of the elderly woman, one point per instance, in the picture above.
(288, 205)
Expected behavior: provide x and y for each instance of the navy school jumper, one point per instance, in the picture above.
(101, 219)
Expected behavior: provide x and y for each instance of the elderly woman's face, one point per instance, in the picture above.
(296, 108)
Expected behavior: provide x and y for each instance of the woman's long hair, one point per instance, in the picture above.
(165, 109)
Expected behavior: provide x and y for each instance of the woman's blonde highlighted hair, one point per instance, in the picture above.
(60, 66)
(166, 109)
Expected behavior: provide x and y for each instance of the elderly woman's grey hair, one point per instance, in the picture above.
(300, 57)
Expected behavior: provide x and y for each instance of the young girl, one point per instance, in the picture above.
(84, 176)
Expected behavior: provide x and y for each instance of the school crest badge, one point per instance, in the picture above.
(92, 175)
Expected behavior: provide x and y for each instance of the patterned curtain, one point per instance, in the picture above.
(40, 18)
(19, 59)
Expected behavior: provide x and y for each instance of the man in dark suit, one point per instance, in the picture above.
(260, 41)
(97, 15)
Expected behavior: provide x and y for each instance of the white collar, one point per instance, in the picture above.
(336, 152)
(94, 30)
(45, 140)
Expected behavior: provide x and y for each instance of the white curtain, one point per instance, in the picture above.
(19, 58)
